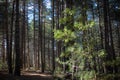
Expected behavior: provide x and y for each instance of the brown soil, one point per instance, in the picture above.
(31, 75)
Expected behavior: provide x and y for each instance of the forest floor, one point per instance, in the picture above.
(26, 75)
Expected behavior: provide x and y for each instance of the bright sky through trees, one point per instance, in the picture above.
(30, 8)
(48, 4)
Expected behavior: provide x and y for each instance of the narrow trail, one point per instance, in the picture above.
(28, 75)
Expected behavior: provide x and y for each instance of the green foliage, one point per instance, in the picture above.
(64, 35)
(69, 11)
(109, 76)
(3, 66)
(82, 58)
(80, 26)
(86, 75)
(113, 62)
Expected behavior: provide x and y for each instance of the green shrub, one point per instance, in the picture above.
(3, 66)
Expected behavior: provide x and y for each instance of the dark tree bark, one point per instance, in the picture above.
(100, 26)
(17, 42)
(34, 41)
(118, 34)
(112, 48)
(101, 34)
(40, 35)
(3, 45)
(57, 27)
(40, 7)
(53, 53)
(24, 35)
(109, 69)
(48, 52)
(44, 39)
(9, 54)
(3, 50)
(28, 46)
(11, 34)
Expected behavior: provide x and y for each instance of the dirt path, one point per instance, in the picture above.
(26, 76)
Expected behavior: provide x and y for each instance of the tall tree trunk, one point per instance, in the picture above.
(100, 26)
(40, 6)
(107, 46)
(40, 37)
(57, 27)
(48, 53)
(101, 34)
(9, 55)
(112, 48)
(44, 41)
(3, 45)
(53, 53)
(24, 33)
(34, 41)
(118, 34)
(28, 46)
(17, 42)
(11, 33)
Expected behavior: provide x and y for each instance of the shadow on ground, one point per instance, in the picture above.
(26, 76)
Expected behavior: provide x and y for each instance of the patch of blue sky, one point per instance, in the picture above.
(30, 13)
(95, 4)
(47, 3)
(48, 17)
(31, 7)
(117, 7)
